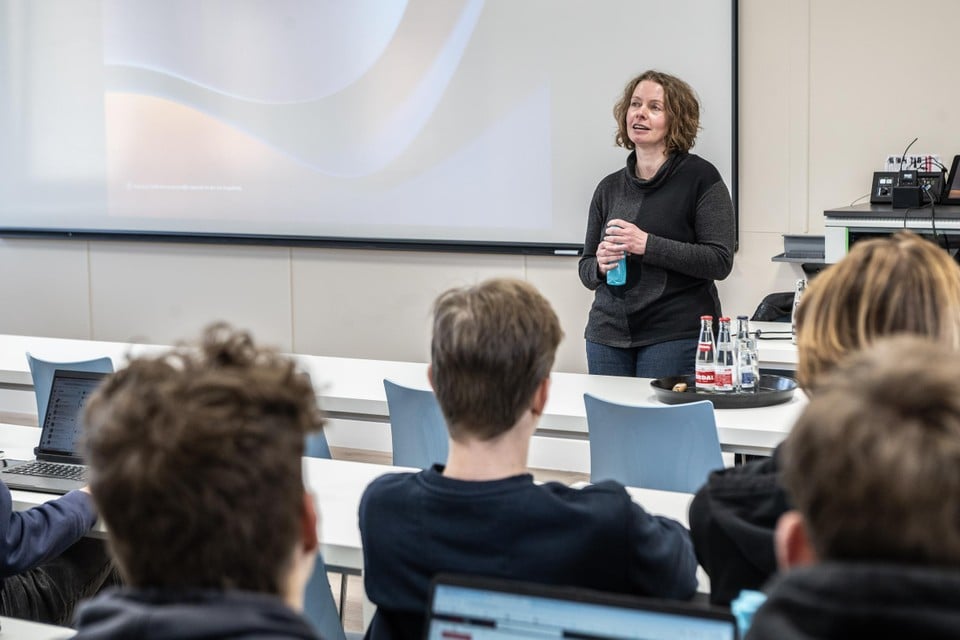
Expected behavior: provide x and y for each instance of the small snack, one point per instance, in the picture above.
(680, 386)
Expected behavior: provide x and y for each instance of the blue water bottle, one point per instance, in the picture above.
(617, 276)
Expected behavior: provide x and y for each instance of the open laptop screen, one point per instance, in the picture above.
(63, 424)
(469, 608)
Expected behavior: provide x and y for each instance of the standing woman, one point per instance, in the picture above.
(670, 214)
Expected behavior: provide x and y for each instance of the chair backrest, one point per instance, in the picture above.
(417, 428)
(42, 373)
(667, 447)
(316, 446)
(319, 607)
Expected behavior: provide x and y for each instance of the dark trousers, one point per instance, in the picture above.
(50, 592)
(671, 358)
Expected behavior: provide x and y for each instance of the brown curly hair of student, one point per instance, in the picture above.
(195, 463)
(900, 284)
(681, 104)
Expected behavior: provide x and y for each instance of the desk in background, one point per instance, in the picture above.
(352, 388)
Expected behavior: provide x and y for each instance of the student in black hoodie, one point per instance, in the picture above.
(195, 466)
(873, 466)
(898, 284)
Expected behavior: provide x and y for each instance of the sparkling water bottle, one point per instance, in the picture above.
(726, 364)
(705, 366)
(748, 357)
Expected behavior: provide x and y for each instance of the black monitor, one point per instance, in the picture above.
(952, 192)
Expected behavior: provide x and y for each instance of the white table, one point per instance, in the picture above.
(16, 629)
(775, 344)
(352, 388)
(337, 486)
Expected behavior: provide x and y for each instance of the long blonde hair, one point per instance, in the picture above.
(901, 284)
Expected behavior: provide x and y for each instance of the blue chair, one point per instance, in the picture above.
(42, 373)
(668, 447)
(316, 446)
(320, 608)
(417, 428)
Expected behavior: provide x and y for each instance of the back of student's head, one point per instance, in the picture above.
(884, 286)
(493, 344)
(195, 461)
(873, 463)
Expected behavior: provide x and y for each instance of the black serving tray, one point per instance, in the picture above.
(773, 390)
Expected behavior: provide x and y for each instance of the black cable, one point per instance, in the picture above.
(933, 212)
(903, 156)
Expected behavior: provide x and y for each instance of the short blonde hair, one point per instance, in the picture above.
(493, 344)
(900, 284)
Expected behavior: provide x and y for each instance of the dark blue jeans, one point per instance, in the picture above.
(50, 592)
(671, 358)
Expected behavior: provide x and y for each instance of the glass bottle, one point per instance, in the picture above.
(747, 356)
(726, 364)
(797, 294)
(705, 366)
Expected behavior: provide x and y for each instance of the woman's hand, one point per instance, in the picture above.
(607, 257)
(628, 238)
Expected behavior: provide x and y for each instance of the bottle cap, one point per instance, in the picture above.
(742, 318)
(724, 319)
(706, 317)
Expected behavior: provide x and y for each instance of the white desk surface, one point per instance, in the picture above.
(17, 629)
(337, 486)
(352, 388)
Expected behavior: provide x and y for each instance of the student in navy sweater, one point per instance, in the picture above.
(481, 513)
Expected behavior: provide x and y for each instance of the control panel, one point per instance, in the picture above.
(884, 182)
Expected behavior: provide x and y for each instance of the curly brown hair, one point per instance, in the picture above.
(680, 102)
(195, 464)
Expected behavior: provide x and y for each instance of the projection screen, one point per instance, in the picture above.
(481, 124)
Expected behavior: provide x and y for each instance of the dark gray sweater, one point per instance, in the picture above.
(688, 213)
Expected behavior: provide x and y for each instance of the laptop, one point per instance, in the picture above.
(59, 466)
(473, 608)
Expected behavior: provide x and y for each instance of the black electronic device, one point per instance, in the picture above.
(951, 191)
(882, 190)
(926, 184)
(908, 197)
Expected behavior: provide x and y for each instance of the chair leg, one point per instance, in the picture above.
(343, 594)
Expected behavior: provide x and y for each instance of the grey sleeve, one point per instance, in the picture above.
(589, 274)
(711, 256)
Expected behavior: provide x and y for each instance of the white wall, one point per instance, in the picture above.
(827, 89)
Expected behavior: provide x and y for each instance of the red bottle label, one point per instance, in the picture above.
(705, 377)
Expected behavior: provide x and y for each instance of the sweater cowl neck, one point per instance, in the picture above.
(663, 173)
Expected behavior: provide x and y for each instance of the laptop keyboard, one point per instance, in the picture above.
(51, 470)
